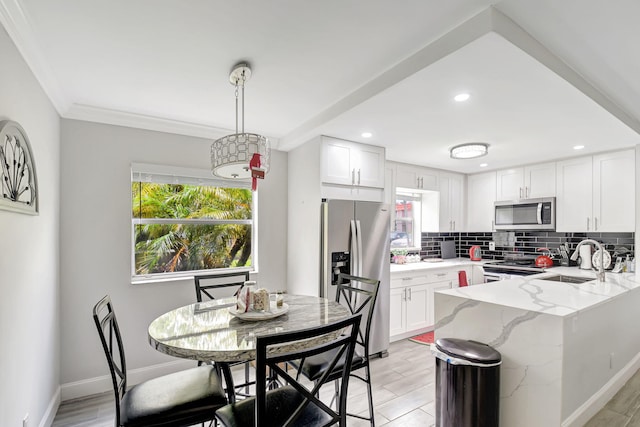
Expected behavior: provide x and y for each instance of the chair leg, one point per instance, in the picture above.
(370, 393)
(246, 378)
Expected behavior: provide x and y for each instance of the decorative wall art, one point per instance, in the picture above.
(18, 173)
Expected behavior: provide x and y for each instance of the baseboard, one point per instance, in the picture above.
(596, 402)
(413, 333)
(83, 388)
(52, 410)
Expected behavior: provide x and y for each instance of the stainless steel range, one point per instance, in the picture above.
(509, 268)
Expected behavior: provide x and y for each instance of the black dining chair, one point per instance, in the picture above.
(175, 400)
(359, 294)
(295, 404)
(212, 286)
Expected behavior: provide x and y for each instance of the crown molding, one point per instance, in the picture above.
(140, 121)
(18, 25)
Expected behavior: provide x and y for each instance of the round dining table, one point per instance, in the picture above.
(209, 332)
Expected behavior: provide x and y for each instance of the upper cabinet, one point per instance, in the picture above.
(481, 193)
(528, 182)
(596, 193)
(451, 201)
(351, 163)
(415, 177)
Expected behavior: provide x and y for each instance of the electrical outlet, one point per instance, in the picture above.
(25, 420)
(492, 246)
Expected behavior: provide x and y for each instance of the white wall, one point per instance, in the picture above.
(29, 280)
(96, 237)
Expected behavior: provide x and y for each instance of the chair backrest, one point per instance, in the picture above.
(342, 346)
(105, 320)
(359, 294)
(206, 285)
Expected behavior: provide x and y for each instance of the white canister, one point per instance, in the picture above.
(585, 257)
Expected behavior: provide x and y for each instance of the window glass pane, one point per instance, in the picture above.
(402, 234)
(165, 248)
(185, 227)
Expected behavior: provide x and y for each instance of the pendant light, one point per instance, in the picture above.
(240, 155)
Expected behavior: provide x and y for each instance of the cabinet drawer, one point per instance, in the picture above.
(442, 276)
(411, 280)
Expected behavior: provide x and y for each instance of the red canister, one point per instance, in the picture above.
(475, 253)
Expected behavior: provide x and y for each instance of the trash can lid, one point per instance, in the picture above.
(472, 351)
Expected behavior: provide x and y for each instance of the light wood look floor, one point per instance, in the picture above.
(404, 395)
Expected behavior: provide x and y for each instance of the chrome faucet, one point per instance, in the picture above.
(600, 272)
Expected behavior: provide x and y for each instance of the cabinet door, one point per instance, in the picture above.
(451, 202)
(396, 311)
(614, 191)
(369, 165)
(481, 194)
(574, 195)
(540, 180)
(337, 162)
(417, 307)
(509, 184)
(433, 287)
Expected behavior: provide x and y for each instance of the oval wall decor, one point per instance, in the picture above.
(18, 173)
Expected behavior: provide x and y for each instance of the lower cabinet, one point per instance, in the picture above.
(412, 300)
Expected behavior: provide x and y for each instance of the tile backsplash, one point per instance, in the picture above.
(521, 243)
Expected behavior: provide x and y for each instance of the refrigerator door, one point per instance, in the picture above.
(336, 220)
(372, 221)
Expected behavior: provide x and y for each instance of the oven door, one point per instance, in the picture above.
(490, 276)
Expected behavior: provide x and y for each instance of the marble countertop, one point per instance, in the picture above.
(424, 265)
(551, 297)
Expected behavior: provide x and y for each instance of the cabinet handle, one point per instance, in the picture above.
(454, 225)
(441, 274)
(528, 192)
(407, 278)
(409, 289)
(595, 223)
(404, 294)
(521, 192)
(358, 176)
(587, 223)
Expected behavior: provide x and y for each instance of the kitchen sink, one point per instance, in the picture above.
(568, 279)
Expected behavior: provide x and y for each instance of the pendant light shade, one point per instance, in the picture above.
(470, 150)
(234, 156)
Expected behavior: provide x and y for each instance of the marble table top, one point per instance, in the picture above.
(550, 297)
(207, 331)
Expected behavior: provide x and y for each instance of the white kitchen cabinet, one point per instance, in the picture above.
(352, 164)
(412, 300)
(451, 202)
(481, 194)
(527, 182)
(594, 193)
(414, 177)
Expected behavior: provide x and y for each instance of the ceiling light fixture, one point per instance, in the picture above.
(578, 147)
(240, 155)
(484, 165)
(469, 150)
(461, 97)
(367, 134)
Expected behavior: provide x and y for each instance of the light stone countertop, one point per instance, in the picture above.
(423, 265)
(551, 297)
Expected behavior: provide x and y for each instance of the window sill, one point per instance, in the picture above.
(143, 280)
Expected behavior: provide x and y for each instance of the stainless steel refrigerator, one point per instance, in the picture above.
(355, 240)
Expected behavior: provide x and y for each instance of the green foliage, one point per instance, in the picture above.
(189, 246)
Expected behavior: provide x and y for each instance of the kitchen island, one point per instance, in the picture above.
(566, 348)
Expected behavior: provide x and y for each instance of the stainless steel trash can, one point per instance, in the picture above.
(467, 383)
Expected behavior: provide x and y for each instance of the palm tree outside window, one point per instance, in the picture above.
(185, 221)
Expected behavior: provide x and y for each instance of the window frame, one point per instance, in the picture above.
(415, 220)
(191, 176)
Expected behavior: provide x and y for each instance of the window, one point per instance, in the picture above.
(185, 221)
(406, 230)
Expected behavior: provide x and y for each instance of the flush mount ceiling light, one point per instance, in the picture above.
(240, 155)
(469, 150)
(578, 147)
(367, 134)
(461, 97)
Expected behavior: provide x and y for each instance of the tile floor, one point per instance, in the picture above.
(404, 394)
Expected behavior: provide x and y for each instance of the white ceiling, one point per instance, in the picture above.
(340, 67)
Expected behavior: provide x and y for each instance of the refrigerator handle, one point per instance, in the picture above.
(355, 255)
(325, 275)
(360, 250)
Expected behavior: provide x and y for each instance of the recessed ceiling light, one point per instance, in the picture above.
(578, 147)
(484, 165)
(367, 134)
(461, 97)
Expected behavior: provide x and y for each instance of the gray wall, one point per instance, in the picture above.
(29, 280)
(96, 238)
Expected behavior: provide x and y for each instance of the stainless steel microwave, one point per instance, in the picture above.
(527, 214)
